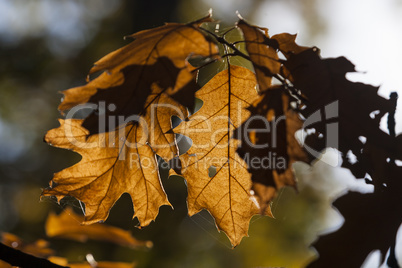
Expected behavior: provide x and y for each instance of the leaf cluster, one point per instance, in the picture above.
(146, 87)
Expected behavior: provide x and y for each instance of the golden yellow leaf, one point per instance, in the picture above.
(68, 225)
(117, 162)
(138, 89)
(106, 171)
(4, 264)
(156, 58)
(226, 194)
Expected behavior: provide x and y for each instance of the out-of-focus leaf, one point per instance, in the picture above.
(68, 225)
(371, 222)
(39, 248)
(4, 264)
(93, 264)
(17, 252)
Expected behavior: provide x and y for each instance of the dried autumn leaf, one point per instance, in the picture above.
(112, 163)
(269, 144)
(4, 264)
(156, 58)
(226, 194)
(262, 53)
(68, 225)
(139, 86)
(287, 44)
(103, 264)
(273, 108)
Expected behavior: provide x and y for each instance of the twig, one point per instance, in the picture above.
(237, 52)
(392, 261)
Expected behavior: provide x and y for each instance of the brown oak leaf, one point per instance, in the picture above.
(117, 162)
(262, 53)
(156, 57)
(225, 193)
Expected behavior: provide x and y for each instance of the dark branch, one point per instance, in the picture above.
(391, 116)
(392, 261)
(236, 52)
(223, 41)
(24, 260)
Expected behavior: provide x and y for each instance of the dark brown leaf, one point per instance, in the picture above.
(262, 53)
(371, 222)
(269, 145)
(336, 101)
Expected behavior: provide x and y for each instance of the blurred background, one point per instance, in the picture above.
(47, 46)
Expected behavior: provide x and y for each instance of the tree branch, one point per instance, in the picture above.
(18, 258)
(237, 52)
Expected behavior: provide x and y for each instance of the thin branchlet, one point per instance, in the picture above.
(236, 52)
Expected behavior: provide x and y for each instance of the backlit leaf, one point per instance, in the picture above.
(262, 52)
(217, 178)
(156, 57)
(119, 141)
(109, 167)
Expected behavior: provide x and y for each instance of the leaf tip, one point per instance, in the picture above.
(239, 16)
(131, 36)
